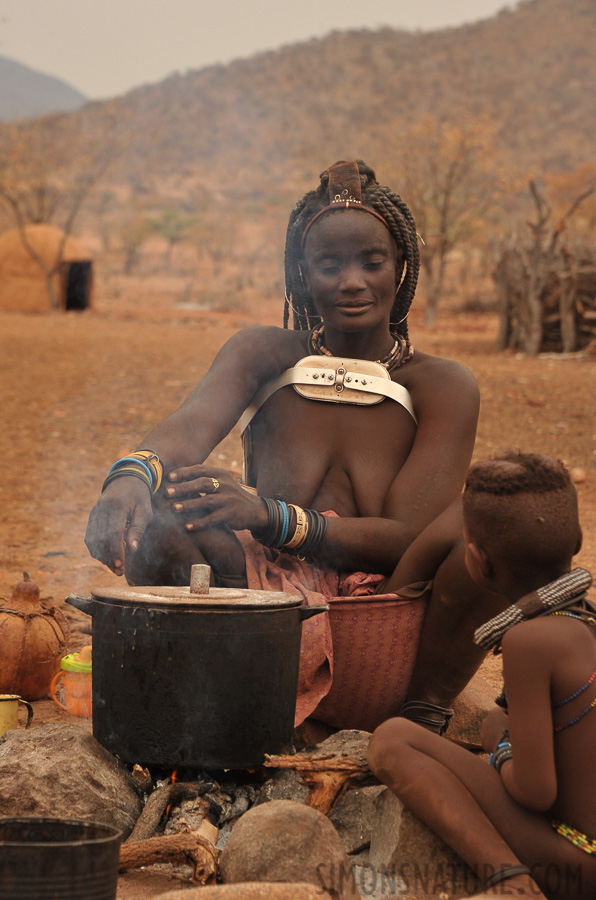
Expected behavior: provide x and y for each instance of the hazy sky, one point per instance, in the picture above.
(106, 47)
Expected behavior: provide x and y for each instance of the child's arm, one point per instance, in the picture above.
(495, 722)
(426, 553)
(530, 776)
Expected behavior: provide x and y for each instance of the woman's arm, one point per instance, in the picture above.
(446, 400)
(245, 362)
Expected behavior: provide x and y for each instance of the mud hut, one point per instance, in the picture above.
(23, 286)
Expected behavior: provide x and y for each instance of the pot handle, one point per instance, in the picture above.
(79, 601)
(307, 611)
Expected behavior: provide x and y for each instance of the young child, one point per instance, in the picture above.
(522, 820)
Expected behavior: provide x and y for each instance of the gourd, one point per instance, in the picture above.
(32, 642)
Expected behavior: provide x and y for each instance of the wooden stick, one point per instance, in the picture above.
(185, 847)
(327, 777)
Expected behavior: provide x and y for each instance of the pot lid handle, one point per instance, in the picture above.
(200, 579)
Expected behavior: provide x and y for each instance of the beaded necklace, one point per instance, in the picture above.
(577, 838)
(589, 620)
(564, 592)
(400, 353)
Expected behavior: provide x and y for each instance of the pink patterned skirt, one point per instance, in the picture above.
(355, 661)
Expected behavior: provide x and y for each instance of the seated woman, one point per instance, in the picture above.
(351, 453)
(525, 817)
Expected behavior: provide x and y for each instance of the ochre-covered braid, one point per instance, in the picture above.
(401, 226)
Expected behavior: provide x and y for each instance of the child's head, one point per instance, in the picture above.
(520, 513)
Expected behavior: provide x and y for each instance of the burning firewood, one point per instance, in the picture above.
(142, 779)
(328, 777)
(155, 806)
(195, 848)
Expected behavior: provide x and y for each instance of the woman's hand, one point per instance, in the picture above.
(117, 522)
(205, 496)
(492, 728)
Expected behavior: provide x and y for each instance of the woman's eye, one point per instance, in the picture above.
(373, 264)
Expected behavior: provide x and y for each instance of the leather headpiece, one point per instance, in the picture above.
(345, 192)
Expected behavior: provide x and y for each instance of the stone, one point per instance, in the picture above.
(284, 784)
(250, 891)
(286, 841)
(353, 817)
(310, 733)
(472, 705)
(349, 742)
(408, 857)
(61, 770)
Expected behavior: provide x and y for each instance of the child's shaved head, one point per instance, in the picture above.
(522, 508)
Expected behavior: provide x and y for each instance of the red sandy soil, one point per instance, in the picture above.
(79, 390)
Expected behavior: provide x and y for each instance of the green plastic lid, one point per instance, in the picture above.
(77, 662)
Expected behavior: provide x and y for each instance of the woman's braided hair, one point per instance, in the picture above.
(401, 226)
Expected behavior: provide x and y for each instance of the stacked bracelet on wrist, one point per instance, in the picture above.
(309, 527)
(502, 752)
(143, 464)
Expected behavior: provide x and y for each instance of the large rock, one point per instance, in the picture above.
(61, 770)
(250, 891)
(408, 857)
(353, 817)
(286, 841)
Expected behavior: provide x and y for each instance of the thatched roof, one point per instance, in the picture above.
(22, 283)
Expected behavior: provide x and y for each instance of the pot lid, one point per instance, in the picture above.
(215, 598)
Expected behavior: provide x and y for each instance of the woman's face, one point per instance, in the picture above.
(350, 262)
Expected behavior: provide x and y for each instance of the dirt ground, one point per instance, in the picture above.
(79, 390)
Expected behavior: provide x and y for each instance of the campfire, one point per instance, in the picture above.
(186, 819)
(188, 745)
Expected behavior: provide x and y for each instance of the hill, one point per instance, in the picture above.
(25, 93)
(531, 70)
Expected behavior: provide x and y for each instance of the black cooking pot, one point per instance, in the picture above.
(194, 680)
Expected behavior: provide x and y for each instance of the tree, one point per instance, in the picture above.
(214, 234)
(173, 225)
(133, 233)
(450, 181)
(540, 282)
(48, 167)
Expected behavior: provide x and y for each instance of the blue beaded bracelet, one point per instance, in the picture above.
(502, 751)
(285, 525)
(132, 459)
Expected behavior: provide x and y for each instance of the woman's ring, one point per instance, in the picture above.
(215, 485)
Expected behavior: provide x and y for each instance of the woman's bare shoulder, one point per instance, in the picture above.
(265, 336)
(425, 367)
(265, 348)
(435, 383)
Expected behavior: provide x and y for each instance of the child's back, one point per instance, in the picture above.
(549, 667)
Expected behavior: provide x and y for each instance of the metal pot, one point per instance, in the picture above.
(183, 679)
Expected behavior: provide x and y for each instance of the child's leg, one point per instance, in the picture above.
(463, 800)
